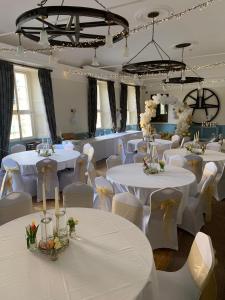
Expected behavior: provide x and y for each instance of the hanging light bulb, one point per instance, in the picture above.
(168, 78)
(183, 77)
(95, 62)
(126, 49)
(109, 39)
(20, 49)
(44, 38)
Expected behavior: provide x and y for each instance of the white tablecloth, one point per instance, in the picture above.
(132, 178)
(132, 144)
(28, 159)
(113, 260)
(209, 155)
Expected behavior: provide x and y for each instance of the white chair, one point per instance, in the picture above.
(89, 151)
(175, 141)
(194, 163)
(13, 181)
(162, 225)
(105, 193)
(78, 195)
(15, 205)
(191, 281)
(47, 175)
(92, 174)
(215, 146)
(177, 161)
(219, 192)
(129, 207)
(113, 161)
(185, 139)
(138, 158)
(18, 148)
(126, 157)
(74, 175)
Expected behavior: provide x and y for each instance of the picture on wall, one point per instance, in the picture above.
(161, 112)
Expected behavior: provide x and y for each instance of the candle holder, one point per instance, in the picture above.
(46, 231)
(61, 225)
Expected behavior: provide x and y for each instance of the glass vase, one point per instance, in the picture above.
(61, 225)
(46, 229)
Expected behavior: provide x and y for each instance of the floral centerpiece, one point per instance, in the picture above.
(31, 233)
(196, 148)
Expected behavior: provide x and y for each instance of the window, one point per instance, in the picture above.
(104, 119)
(161, 113)
(22, 126)
(131, 106)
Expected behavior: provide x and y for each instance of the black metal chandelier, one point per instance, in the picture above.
(183, 79)
(154, 66)
(62, 26)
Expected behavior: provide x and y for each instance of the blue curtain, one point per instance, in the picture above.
(6, 105)
(44, 76)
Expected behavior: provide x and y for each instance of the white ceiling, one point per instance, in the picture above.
(205, 29)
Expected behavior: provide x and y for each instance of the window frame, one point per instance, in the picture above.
(19, 112)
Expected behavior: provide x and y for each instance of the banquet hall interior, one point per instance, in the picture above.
(112, 150)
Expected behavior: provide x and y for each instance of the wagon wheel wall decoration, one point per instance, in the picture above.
(205, 105)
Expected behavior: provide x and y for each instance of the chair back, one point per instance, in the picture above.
(215, 146)
(105, 193)
(185, 139)
(194, 163)
(201, 261)
(175, 141)
(89, 151)
(113, 161)
(47, 175)
(129, 207)
(80, 168)
(15, 205)
(78, 195)
(92, 174)
(210, 169)
(12, 181)
(18, 148)
(177, 161)
(160, 149)
(138, 158)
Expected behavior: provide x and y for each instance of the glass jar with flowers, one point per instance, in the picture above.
(31, 236)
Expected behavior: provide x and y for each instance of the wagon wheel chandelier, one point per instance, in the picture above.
(154, 66)
(183, 79)
(62, 26)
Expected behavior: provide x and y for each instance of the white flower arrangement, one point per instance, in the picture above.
(150, 112)
(184, 114)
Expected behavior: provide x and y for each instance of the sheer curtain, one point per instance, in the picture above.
(92, 106)
(45, 80)
(123, 107)
(6, 105)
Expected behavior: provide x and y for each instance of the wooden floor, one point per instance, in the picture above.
(170, 260)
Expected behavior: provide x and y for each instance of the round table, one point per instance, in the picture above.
(209, 155)
(27, 160)
(132, 144)
(131, 178)
(112, 260)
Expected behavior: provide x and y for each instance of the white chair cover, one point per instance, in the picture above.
(78, 195)
(89, 151)
(185, 139)
(177, 161)
(113, 161)
(129, 207)
(13, 181)
(47, 175)
(92, 174)
(175, 141)
(160, 149)
(126, 157)
(214, 146)
(105, 193)
(18, 148)
(193, 279)
(219, 192)
(77, 174)
(194, 163)
(15, 205)
(162, 226)
(138, 158)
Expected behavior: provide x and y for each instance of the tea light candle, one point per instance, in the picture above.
(56, 200)
(44, 198)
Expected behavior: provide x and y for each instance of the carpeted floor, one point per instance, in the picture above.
(170, 260)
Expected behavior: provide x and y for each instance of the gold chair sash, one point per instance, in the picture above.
(142, 149)
(104, 192)
(46, 169)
